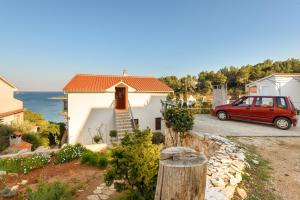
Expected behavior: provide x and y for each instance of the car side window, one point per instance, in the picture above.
(264, 102)
(281, 103)
(245, 101)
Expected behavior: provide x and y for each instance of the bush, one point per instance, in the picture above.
(158, 138)
(69, 153)
(103, 161)
(5, 131)
(32, 139)
(50, 191)
(94, 159)
(134, 165)
(89, 157)
(25, 164)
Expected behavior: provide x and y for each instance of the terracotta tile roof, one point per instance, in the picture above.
(5, 114)
(22, 145)
(99, 83)
(17, 133)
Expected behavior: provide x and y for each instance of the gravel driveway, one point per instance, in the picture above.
(208, 124)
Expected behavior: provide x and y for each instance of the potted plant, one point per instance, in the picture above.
(113, 134)
(97, 138)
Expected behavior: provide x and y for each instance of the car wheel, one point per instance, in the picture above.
(283, 123)
(222, 115)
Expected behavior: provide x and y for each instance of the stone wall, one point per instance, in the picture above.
(195, 141)
(225, 166)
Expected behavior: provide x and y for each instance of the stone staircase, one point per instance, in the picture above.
(123, 123)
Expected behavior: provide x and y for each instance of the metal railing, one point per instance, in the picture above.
(131, 115)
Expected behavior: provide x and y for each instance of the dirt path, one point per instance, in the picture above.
(284, 154)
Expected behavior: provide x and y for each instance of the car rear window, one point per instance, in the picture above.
(264, 102)
(281, 102)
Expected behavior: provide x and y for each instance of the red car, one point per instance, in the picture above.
(277, 110)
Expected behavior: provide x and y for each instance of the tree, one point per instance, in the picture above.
(134, 165)
(178, 119)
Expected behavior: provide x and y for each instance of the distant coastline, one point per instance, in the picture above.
(46, 102)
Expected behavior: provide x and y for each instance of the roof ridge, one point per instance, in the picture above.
(108, 75)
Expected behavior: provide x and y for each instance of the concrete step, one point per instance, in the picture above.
(124, 126)
(122, 117)
(123, 130)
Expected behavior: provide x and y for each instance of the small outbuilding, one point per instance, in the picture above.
(278, 84)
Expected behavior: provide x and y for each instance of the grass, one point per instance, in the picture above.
(257, 180)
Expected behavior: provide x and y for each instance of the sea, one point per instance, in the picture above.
(43, 103)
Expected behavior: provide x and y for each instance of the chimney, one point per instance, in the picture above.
(125, 73)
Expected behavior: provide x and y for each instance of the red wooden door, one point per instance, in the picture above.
(120, 97)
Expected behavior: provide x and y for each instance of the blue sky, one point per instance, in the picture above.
(44, 43)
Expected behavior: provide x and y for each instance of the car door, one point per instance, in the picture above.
(241, 109)
(263, 109)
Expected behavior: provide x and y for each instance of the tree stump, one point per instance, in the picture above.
(182, 175)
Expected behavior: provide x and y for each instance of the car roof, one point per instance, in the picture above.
(264, 96)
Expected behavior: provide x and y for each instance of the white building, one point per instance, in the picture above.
(277, 85)
(101, 103)
(11, 109)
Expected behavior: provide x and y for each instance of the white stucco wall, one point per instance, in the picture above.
(88, 111)
(6, 90)
(15, 118)
(280, 86)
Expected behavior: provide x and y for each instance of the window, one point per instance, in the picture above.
(246, 101)
(158, 123)
(281, 103)
(264, 102)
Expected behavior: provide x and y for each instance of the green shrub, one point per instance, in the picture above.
(89, 157)
(25, 164)
(94, 159)
(5, 131)
(69, 153)
(158, 138)
(135, 163)
(32, 139)
(50, 191)
(102, 161)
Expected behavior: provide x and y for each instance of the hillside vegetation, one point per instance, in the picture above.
(235, 77)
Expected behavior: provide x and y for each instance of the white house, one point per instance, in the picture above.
(11, 109)
(101, 103)
(282, 84)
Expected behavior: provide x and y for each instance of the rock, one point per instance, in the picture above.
(97, 191)
(255, 162)
(240, 165)
(24, 182)
(240, 156)
(218, 182)
(2, 173)
(234, 181)
(241, 193)
(93, 197)
(214, 194)
(229, 192)
(15, 187)
(103, 196)
(108, 192)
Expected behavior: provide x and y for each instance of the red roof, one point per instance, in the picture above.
(22, 145)
(5, 114)
(99, 83)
